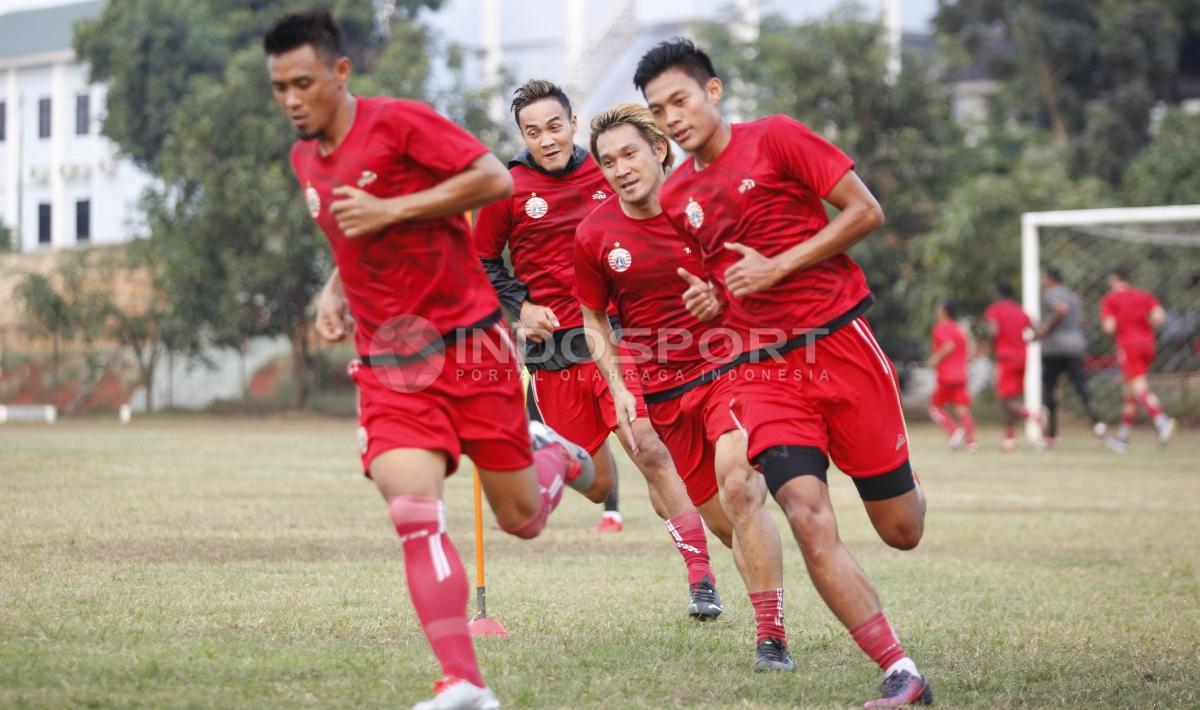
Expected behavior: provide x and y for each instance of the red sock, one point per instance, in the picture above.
(437, 583)
(1128, 414)
(768, 615)
(687, 531)
(939, 417)
(968, 423)
(1144, 400)
(1009, 431)
(876, 638)
(550, 463)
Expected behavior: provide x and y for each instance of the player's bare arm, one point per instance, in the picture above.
(1158, 316)
(333, 321)
(1109, 324)
(358, 212)
(941, 354)
(1058, 312)
(860, 214)
(602, 344)
(700, 298)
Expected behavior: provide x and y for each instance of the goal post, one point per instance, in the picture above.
(1033, 226)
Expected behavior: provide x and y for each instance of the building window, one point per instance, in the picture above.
(83, 116)
(43, 223)
(83, 220)
(43, 118)
(3, 120)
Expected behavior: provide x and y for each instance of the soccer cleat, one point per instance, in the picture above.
(772, 655)
(972, 447)
(1118, 445)
(610, 522)
(1009, 444)
(705, 603)
(902, 688)
(1165, 430)
(956, 439)
(581, 471)
(452, 693)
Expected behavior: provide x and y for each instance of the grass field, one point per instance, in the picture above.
(239, 562)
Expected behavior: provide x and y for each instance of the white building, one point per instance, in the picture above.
(61, 182)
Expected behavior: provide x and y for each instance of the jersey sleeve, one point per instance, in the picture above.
(434, 141)
(492, 228)
(801, 154)
(591, 283)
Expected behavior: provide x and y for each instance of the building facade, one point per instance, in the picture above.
(62, 184)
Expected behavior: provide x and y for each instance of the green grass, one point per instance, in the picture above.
(236, 562)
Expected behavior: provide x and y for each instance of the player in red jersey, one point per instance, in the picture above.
(752, 195)
(388, 180)
(1008, 325)
(949, 359)
(557, 184)
(628, 252)
(1130, 316)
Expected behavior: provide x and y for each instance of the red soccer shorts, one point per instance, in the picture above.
(944, 394)
(576, 403)
(1010, 379)
(1135, 359)
(690, 425)
(469, 401)
(839, 395)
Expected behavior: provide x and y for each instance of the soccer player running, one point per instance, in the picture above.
(629, 253)
(949, 360)
(387, 180)
(1063, 345)
(1007, 324)
(751, 194)
(1130, 316)
(557, 184)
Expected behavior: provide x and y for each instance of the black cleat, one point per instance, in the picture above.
(706, 603)
(773, 656)
(902, 688)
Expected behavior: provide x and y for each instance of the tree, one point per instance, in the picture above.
(1168, 171)
(831, 75)
(8, 239)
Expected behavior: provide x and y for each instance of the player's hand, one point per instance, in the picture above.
(700, 298)
(537, 322)
(626, 406)
(358, 212)
(333, 317)
(753, 273)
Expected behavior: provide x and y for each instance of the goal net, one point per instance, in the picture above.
(1161, 248)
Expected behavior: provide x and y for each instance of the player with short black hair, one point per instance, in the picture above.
(1130, 315)
(557, 184)
(1063, 346)
(951, 398)
(814, 382)
(388, 180)
(1009, 327)
(628, 253)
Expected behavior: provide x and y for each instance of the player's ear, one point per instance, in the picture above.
(341, 69)
(574, 124)
(714, 89)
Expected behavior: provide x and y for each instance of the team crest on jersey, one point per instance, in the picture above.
(313, 199)
(619, 259)
(695, 213)
(535, 206)
(367, 178)
(747, 184)
(599, 195)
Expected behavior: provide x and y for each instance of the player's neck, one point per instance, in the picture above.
(714, 146)
(646, 209)
(343, 121)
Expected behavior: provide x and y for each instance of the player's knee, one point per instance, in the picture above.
(529, 527)
(812, 523)
(742, 492)
(515, 512)
(652, 456)
(904, 535)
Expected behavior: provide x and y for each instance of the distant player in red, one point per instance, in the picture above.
(629, 253)
(557, 184)
(387, 180)
(1130, 315)
(814, 383)
(1009, 327)
(949, 359)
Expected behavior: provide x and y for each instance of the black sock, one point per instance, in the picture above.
(611, 502)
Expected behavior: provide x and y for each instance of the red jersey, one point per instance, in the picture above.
(423, 268)
(951, 369)
(538, 224)
(1131, 308)
(765, 190)
(1009, 322)
(632, 262)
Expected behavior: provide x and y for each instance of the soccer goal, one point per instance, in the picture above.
(1161, 248)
